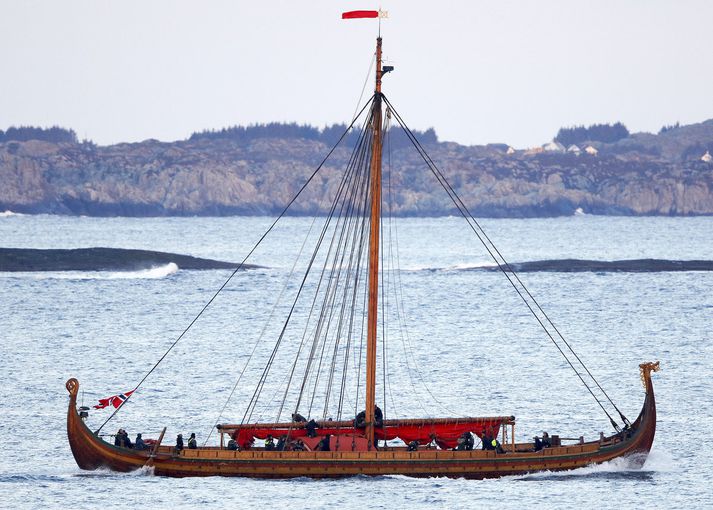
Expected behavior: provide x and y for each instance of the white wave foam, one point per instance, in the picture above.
(144, 471)
(457, 267)
(660, 460)
(466, 266)
(144, 274)
(416, 268)
(619, 465)
(8, 214)
(151, 274)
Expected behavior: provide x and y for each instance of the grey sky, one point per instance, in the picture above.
(476, 71)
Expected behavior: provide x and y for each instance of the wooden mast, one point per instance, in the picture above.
(374, 253)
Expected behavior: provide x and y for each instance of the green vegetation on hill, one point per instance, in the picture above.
(606, 133)
(328, 135)
(55, 134)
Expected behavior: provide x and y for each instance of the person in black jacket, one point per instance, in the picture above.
(269, 443)
(139, 443)
(179, 442)
(281, 443)
(378, 417)
(311, 428)
(323, 445)
(122, 439)
(192, 443)
(465, 441)
(487, 441)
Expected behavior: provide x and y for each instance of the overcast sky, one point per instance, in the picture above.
(477, 71)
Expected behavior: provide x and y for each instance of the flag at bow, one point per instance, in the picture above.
(114, 400)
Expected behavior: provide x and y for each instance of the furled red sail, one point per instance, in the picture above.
(443, 431)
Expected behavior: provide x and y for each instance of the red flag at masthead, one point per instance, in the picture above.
(363, 14)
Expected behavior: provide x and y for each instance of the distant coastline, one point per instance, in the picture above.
(256, 171)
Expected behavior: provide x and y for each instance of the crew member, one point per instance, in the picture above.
(378, 417)
(495, 445)
(311, 428)
(487, 441)
(538, 444)
(122, 439)
(139, 443)
(465, 441)
(323, 445)
(360, 420)
(269, 443)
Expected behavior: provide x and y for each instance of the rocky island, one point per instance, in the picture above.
(102, 259)
(257, 170)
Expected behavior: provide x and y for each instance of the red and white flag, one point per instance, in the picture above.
(114, 400)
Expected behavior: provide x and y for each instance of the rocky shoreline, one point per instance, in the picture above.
(643, 174)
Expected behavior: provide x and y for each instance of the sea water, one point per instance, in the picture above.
(470, 349)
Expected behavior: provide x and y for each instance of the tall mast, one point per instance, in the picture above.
(374, 253)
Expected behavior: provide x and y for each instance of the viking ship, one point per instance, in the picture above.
(347, 297)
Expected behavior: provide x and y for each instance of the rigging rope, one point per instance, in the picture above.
(505, 268)
(240, 266)
(262, 333)
(335, 249)
(315, 343)
(366, 80)
(263, 378)
(387, 273)
(354, 163)
(256, 394)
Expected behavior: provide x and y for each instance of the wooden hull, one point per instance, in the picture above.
(92, 453)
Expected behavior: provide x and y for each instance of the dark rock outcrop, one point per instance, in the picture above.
(606, 266)
(101, 259)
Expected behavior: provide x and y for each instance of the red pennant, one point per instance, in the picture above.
(360, 14)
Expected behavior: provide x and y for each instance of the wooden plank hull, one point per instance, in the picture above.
(92, 453)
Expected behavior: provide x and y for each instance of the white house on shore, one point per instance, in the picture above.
(591, 150)
(707, 157)
(574, 149)
(510, 151)
(553, 147)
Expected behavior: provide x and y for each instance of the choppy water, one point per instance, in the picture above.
(477, 352)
